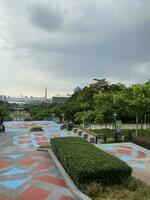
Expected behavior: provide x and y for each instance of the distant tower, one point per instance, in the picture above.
(46, 94)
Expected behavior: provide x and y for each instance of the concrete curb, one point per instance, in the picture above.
(75, 192)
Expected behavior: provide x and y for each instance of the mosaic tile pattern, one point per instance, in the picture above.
(138, 160)
(29, 175)
(35, 139)
(34, 193)
(13, 171)
(13, 184)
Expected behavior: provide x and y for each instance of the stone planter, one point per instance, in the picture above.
(75, 130)
(85, 135)
(92, 140)
(80, 133)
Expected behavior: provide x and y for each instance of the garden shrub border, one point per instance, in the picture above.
(142, 141)
(85, 163)
(36, 128)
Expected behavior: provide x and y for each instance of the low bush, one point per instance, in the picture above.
(110, 140)
(85, 163)
(93, 189)
(101, 132)
(131, 189)
(142, 141)
(36, 128)
(143, 133)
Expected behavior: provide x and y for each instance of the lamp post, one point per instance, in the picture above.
(115, 116)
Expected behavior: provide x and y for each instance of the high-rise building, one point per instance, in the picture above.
(3, 98)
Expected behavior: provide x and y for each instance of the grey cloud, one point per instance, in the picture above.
(105, 39)
(44, 16)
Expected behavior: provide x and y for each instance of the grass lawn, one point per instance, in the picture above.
(109, 132)
(131, 189)
(99, 132)
(143, 133)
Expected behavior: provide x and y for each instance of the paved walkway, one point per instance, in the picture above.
(136, 158)
(26, 174)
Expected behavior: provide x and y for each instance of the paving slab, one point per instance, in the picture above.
(26, 174)
(135, 156)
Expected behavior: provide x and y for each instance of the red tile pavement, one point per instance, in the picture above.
(27, 161)
(141, 154)
(124, 151)
(38, 134)
(5, 163)
(23, 137)
(41, 138)
(34, 193)
(42, 166)
(124, 147)
(66, 198)
(110, 152)
(4, 197)
(43, 155)
(46, 156)
(37, 153)
(25, 141)
(52, 180)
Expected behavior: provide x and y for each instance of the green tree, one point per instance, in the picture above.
(104, 106)
(138, 97)
(100, 86)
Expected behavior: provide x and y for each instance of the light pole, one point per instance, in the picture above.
(115, 115)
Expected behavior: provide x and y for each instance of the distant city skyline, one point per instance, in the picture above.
(38, 95)
(62, 44)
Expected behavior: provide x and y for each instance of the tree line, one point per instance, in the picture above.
(100, 102)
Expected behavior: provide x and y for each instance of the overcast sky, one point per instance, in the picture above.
(62, 44)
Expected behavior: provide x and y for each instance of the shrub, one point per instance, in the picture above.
(85, 163)
(133, 184)
(36, 128)
(110, 140)
(142, 141)
(93, 189)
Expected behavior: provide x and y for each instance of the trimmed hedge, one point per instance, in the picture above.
(85, 163)
(142, 141)
(36, 128)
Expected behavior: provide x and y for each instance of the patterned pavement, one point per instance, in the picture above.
(137, 159)
(26, 174)
(24, 138)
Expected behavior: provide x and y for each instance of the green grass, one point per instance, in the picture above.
(109, 132)
(101, 132)
(131, 189)
(143, 133)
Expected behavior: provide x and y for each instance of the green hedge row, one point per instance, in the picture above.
(36, 128)
(85, 163)
(142, 141)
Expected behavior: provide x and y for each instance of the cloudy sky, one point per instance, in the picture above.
(62, 44)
